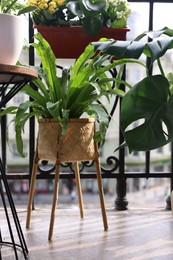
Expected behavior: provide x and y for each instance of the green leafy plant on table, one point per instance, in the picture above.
(146, 117)
(70, 95)
(91, 14)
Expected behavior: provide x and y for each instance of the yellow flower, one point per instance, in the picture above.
(51, 9)
(43, 5)
(60, 2)
(52, 4)
(32, 2)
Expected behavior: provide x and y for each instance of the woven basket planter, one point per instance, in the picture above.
(76, 145)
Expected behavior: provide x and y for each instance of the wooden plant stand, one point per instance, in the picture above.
(76, 145)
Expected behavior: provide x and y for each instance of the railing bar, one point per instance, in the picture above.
(92, 175)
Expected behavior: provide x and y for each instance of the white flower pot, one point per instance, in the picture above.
(12, 38)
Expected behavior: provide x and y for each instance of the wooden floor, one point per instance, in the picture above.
(140, 233)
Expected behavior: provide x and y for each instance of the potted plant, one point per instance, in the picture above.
(63, 23)
(11, 30)
(61, 105)
(146, 113)
(69, 95)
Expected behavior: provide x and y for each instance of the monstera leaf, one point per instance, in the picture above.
(146, 114)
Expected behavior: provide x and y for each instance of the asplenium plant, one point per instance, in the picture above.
(76, 92)
(146, 117)
(91, 14)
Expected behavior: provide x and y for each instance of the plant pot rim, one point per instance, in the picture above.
(12, 15)
(77, 28)
(6, 14)
(70, 120)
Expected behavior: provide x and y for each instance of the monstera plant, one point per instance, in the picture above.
(146, 118)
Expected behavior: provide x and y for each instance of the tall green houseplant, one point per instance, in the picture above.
(76, 92)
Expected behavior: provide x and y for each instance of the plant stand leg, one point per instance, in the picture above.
(79, 189)
(55, 200)
(31, 191)
(101, 194)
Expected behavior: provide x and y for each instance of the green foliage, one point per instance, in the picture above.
(95, 14)
(15, 7)
(75, 92)
(146, 112)
(89, 13)
(148, 100)
(92, 15)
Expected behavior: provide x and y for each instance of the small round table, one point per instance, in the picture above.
(12, 80)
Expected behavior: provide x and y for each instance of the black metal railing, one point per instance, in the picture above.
(114, 166)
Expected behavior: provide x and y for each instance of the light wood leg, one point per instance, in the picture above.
(55, 200)
(79, 190)
(101, 194)
(31, 192)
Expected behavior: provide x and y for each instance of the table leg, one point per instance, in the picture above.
(5, 187)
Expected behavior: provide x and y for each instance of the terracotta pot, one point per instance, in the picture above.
(76, 145)
(12, 38)
(70, 42)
